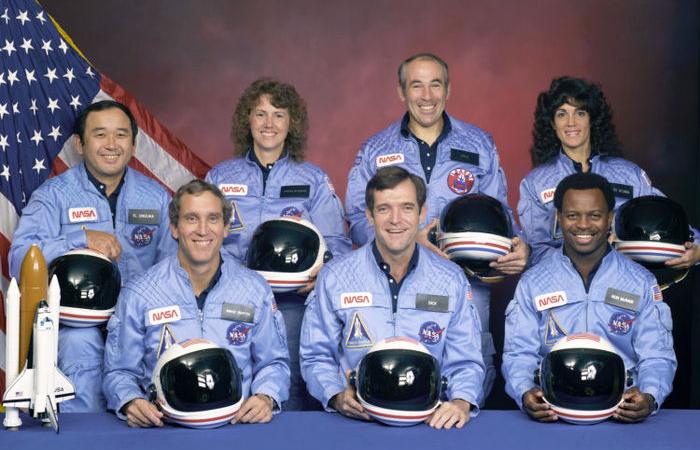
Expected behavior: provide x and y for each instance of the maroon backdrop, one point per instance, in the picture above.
(189, 60)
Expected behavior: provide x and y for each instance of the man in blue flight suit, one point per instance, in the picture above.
(600, 291)
(406, 290)
(102, 205)
(208, 294)
(452, 157)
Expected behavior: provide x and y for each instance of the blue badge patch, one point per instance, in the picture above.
(553, 331)
(430, 333)
(359, 335)
(620, 323)
(291, 211)
(460, 181)
(237, 333)
(236, 219)
(141, 236)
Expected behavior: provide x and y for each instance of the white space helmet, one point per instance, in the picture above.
(197, 384)
(583, 378)
(398, 382)
(90, 284)
(285, 251)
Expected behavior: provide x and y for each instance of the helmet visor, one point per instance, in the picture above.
(200, 381)
(403, 380)
(86, 282)
(583, 379)
(283, 246)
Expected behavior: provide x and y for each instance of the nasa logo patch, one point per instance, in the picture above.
(547, 195)
(141, 236)
(430, 333)
(237, 333)
(291, 211)
(460, 181)
(236, 219)
(620, 323)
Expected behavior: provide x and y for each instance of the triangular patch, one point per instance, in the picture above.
(553, 331)
(167, 338)
(236, 219)
(359, 335)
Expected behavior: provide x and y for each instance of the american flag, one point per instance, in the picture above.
(44, 83)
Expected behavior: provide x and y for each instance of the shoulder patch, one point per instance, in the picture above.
(550, 300)
(656, 293)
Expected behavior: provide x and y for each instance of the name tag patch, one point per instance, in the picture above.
(165, 314)
(234, 189)
(85, 214)
(622, 190)
(547, 195)
(144, 216)
(390, 159)
(435, 303)
(302, 190)
(355, 299)
(464, 156)
(622, 299)
(550, 300)
(238, 313)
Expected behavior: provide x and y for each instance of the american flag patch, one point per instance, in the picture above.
(656, 293)
(470, 296)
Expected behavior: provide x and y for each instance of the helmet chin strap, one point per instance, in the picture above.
(676, 280)
(488, 279)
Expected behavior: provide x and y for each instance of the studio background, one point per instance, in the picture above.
(189, 60)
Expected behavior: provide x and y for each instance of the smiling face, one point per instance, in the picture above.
(269, 126)
(573, 128)
(108, 144)
(396, 217)
(425, 94)
(585, 220)
(200, 230)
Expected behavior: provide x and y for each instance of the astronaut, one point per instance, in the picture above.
(103, 205)
(392, 287)
(452, 157)
(269, 178)
(573, 132)
(589, 287)
(199, 292)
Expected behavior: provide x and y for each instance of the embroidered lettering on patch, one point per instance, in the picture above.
(86, 214)
(238, 332)
(620, 323)
(547, 195)
(550, 300)
(355, 299)
(460, 181)
(358, 335)
(390, 159)
(622, 299)
(234, 189)
(430, 333)
(144, 216)
(165, 314)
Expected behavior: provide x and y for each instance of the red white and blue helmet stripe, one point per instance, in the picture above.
(649, 251)
(83, 318)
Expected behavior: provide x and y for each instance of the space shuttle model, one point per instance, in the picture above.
(32, 313)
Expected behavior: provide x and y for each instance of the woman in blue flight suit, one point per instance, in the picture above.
(268, 178)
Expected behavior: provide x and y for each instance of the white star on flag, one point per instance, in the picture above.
(30, 76)
(69, 75)
(22, 17)
(75, 101)
(3, 111)
(5, 172)
(38, 165)
(12, 77)
(26, 45)
(9, 47)
(46, 46)
(37, 138)
(53, 104)
(51, 75)
(3, 142)
(55, 133)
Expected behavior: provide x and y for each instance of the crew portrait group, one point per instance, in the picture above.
(384, 285)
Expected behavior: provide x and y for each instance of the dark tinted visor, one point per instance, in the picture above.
(86, 282)
(200, 381)
(403, 380)
(282, 246)
(583, 379)
(652, 218)
(476, 213)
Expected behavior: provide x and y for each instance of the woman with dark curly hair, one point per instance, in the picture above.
(574, 132)
(268, 178)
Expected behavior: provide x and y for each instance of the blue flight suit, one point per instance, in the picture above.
(337, 333)
(289, 188)
(466, 163)
(639, 329)
(536, 205)
(55, 217)
(135, 330)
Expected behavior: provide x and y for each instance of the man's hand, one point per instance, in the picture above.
(311, 283)
(635, 407)
(535, 406)
(256, 409)
(689, 258)
(515, 261)
(454, 413)
(105, 243)
(141, 413)
(346, 402)
(423, 238)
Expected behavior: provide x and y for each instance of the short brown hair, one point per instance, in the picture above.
(196, 187)
(389, 178)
